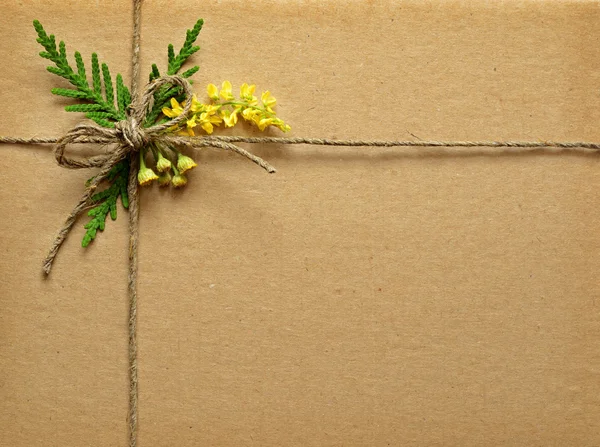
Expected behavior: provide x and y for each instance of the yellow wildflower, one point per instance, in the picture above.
(247, 91)
(250, 114)
(175, 109)
(210, 117)
(191, 123)
(226, 91)
(211, 109)
(229, 118)
(268, 100)
(213, 92)
(247, 94)
(224, 108)
(196, 106)
(264, 122)
(207, 127)
(184, 163)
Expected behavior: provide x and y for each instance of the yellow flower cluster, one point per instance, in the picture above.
(224, 108)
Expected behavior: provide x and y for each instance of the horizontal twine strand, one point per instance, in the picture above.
(208, 140)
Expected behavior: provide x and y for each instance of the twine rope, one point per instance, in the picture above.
(134, 201)
(130, 138)
(208, 141)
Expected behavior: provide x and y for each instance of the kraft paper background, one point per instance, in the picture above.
(357, 297)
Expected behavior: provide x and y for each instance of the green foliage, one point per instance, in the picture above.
(96, 99)
(106, 201)
(106, 102)
(175, 63)
(98, 105)
(188, 48)
(123, 95)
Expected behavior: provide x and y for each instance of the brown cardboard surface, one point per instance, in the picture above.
(358, 297)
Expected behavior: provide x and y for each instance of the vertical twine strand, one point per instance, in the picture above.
(135, 60)
(132, 190)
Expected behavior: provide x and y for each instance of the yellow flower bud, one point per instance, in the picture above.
(179, 181)
(164, 179)
(163, 164)
(146, 176)
(184, 163)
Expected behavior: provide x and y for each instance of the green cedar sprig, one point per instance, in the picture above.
(188, 48)
(107, 201)
(175, 62)
(101, 106)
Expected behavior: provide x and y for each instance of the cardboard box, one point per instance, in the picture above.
(358, 297)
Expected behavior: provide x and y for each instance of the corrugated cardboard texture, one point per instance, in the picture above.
(358, 297)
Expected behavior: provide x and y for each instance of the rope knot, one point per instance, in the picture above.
(131, 134)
